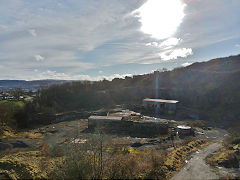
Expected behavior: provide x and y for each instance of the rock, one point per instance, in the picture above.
(137, 144)
(5, 146)
(153, 141)
(53, 131)
(19, 144)
(170, 149)
(236, 147)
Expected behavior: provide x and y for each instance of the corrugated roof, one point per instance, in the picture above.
(114, 118)
(161, 100)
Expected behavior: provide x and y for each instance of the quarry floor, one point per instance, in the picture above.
(71, 131)
(62, 133)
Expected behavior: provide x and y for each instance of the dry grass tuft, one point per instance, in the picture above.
(27, 165)
(228, 158)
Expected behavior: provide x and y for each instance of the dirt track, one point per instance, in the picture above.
(196, 168)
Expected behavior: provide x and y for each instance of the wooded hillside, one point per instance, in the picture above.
(212, 87)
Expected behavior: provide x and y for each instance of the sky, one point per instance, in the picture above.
(96, 39)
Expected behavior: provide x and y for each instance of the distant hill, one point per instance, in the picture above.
(227, 64)
(12, 84)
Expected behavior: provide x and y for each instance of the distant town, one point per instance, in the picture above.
(18, 90)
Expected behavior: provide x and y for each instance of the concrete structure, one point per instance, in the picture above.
(117, 125)
(161, 105)
(101, 121)
(184, 130)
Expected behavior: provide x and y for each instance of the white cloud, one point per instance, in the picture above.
(64, 35)
(154, 44)
(186, 64)
(170, 42)
(32, 32)
(167, 44)
(39, 57)
(111, 77)
(237, 45)
(220, 18)
(174, 54)
(63, 76)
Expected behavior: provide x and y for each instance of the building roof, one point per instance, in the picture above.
(183, 127)
(161, 100)
(112, 118)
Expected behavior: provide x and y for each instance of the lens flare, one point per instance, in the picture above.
(161, 18)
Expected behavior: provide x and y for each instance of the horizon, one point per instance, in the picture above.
(78, 40)
(100, 78)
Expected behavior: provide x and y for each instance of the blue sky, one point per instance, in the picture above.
(96, 39)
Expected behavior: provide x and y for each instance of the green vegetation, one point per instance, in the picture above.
(18, 104)
(9, 111)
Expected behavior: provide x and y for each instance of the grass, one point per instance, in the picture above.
(228, 156)
(19, 104)
(30, 135)
(125, 163)
(10, 133)
(27, 165)
(162, 165)
(222, 155)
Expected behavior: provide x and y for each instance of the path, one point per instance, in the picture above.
(196, 168)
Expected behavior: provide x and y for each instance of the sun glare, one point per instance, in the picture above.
(161, 18)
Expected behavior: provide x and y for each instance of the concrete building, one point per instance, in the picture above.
(161, 105)
(184, 130)
(117, 125)
(101, 121)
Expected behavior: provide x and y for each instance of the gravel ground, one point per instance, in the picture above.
(196, 168)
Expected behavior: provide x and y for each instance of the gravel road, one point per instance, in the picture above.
(196, 168)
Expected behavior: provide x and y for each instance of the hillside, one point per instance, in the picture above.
(209, 89)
